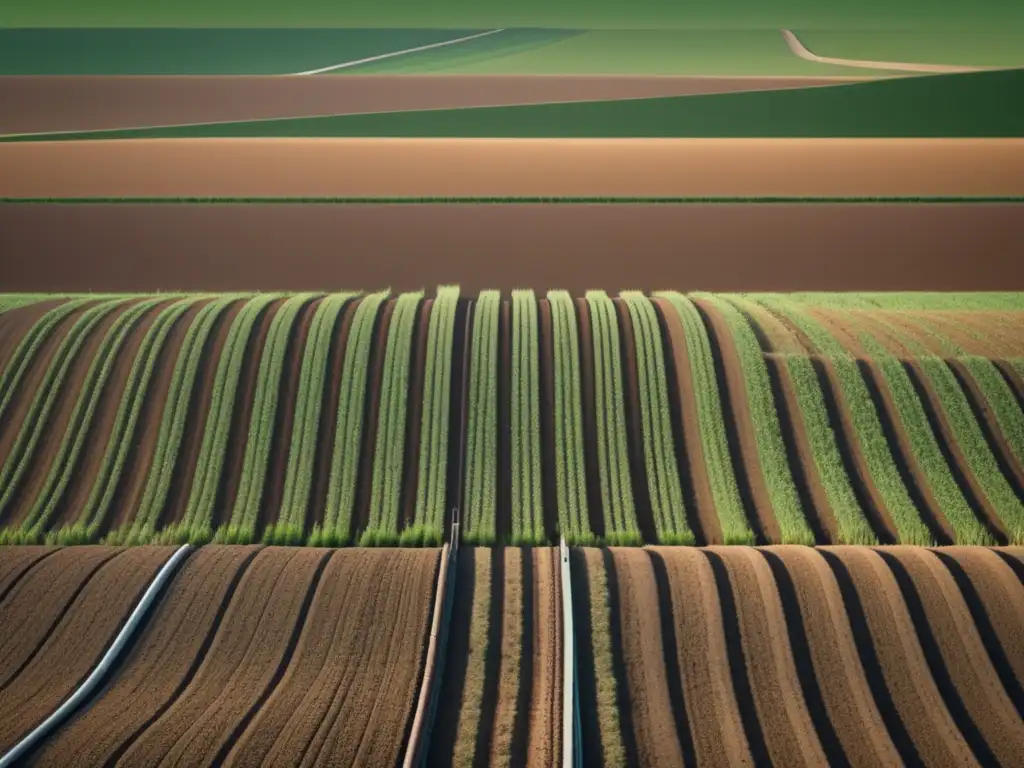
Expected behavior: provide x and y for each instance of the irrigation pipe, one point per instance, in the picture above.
(21, 750)
(571, 755)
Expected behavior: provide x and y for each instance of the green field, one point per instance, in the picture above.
(989, 48)
(961, 105)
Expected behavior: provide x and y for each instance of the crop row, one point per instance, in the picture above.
(336, 419)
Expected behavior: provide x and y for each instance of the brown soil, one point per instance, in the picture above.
(16, 323)
(693, 463)
(904, 668)
(1000, 329)
(789, 732)
(736, 407)
(545, 624)
(956, 647)
(277, 459)
(56, 103)
(350, 687)
(414, 413)
(40, 599)
(794, 430)
(16, 562)
(139, 460)
(195, 425)
(503, 508)
(735, 247)
(546, 374)
(827, 636)
(159, 666)
(255, 638)
(76, 643)
(417, 167)
(595, 504)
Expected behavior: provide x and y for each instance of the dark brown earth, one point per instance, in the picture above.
(733, 247)
(54, 103)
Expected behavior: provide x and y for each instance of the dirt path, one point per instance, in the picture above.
(799, 49)
(445, 167)
(72, 648)
(690, 455)
(734, 247)
(253, 641)
(348, 694)
(36, 104)
(167, 654)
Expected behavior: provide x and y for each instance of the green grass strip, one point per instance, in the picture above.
(431, 486)
(527, 498)
(196, 524)
(771, 449)
(242, 526)
(853, 524)
(949, 301)
(526, 199)
(121, 437)
(88, 398)
(348, 432)
(308, 405)
(714, 438)
(570, 466)
(481, 483)
(389, 452)
(46, 394)
(663, 482)
(881, 464)
(613, 447)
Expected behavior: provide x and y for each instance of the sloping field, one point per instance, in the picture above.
(335, 419)
(252, 654)
(838, 656)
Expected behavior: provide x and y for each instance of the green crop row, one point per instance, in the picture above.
(481, 472)
(663, 482)
(527, 499)
(389, 451)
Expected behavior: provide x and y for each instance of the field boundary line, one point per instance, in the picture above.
(392, 54)
(525, 200)
(801, 50)
(138, 615)
(572, 756)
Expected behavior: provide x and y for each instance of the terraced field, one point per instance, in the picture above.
(365, 418)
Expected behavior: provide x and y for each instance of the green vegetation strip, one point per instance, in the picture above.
(498, 200)
(621, 527)
(666, 492)
(527, 499)
(570, 467)
(480, 498)
(771, 449)
(306, 424)
(431, 486)
(389, 452)
(714, 438)
(348, 430)
(853, 525)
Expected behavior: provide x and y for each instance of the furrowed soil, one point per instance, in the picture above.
(57, 103)
(533, 167)
(733, 247)
(15, 562)
(414, 413)
(502, 683)
(15, 323)
(72, 647)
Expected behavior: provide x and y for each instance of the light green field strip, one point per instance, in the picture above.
(306, 423)
(663, 482)
(771, 450)
(853, 525)
(981, 462)
(172, 426)
(97, 507)
(527, 499)
(18, 459)
(621, 527)
(348, 429)
(242, 526)
(570, 466)
(990, 48)
(389, 451)
(431, 486)
(196, 524)
(868, 432)
(64, 462)
(29, 347)
(481, 484)
(714, 439)
(952, 301)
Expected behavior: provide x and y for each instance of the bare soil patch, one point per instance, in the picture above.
(446, 167)
(735, 247)
(17, 562)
